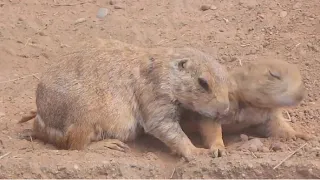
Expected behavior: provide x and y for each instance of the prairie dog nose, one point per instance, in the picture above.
(299, 97)
(301, 94)
(223, 108)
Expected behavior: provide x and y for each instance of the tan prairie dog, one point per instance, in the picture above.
(258, 94)
(114, 91)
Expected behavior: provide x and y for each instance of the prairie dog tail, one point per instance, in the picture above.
(32, 114)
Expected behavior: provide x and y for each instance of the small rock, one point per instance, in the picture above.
(104, 162)
(249, 3)
(151, 156)
(10, 51)
(118, 7)
(102, 12)
(76, 167)
(60, 168)
(45, 55)
(252, 145)
(297, 5)
(205, 7)
(253, 148)
(312, 47)
(231, 60)
(278, 146)
(283, 14)
(299, 153)
(213, 7)
(244, 137)
(2, 114)
(111, 2)
(41, 33)
(80, 20)
(264, 149)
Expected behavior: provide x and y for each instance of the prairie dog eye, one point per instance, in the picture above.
(182, 64)
(275, 74)
(203, 83)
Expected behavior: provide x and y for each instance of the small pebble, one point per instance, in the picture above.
(104, 162)
(205, 7)
(118, 7)
(278, 146)
(10, 51)
(111, 2)
(102, 12)
(244, 137)
(76, 167)
(80, 20)
(41, 33)
(233, 59)
(264, 149)
(151, 156)
(297, 5)
(213, 7)
(253, 148)
(312, 47)
(252, 145)
(2, 114)
(283, 14)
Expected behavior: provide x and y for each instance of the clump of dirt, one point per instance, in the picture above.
(33, 33)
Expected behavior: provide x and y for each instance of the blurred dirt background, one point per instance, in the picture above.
(34, 32)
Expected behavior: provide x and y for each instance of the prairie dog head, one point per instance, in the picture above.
(198, 82)
(269, 84)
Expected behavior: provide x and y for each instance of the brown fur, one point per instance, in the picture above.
(257, 96)
(115, 90)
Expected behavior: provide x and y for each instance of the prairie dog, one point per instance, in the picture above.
(257, 96)
(115, 91)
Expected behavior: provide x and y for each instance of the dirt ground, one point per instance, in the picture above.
(34, 32)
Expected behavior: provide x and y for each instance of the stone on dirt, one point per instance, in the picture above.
(102, 12)
(252, 145)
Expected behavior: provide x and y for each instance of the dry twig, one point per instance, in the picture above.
(174, 170)
(27, 41)
(240, 62)
(6, 154)
(34, 75)
(254, 155)
(288, 116)
(289, 156)
(74, 4)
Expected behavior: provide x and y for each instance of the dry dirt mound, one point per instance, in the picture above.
(34, 32)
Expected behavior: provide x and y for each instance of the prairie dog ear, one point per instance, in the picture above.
(182, 64)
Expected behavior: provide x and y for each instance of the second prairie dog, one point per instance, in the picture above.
(258, 94)
(115, 91)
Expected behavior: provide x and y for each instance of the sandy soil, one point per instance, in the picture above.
(34, 32)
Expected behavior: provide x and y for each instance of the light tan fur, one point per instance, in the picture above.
(258, 94)
(115, 91)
